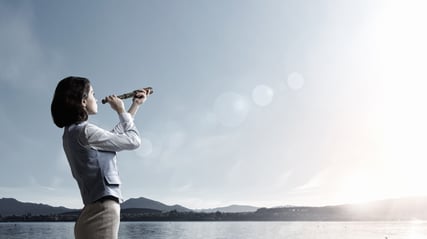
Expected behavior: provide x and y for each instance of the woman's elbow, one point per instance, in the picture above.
(137, 143)
(134, 144)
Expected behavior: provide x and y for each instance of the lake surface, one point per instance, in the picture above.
(230, 230)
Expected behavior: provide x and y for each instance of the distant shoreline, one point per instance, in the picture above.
(264, 215)
(407, 209)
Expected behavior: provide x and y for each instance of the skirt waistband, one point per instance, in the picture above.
(108, 198)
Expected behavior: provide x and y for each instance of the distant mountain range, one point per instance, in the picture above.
(411, 208)
(230, 209)
(391, 209)
(11, 206)
(151, 204)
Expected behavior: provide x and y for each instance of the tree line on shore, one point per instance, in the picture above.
(329, 213)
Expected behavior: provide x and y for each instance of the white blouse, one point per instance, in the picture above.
(124, 136)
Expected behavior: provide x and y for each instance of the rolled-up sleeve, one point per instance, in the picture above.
(124, 136)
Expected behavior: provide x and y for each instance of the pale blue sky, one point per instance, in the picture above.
(265, 103)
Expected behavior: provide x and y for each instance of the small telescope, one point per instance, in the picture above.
(132, 94)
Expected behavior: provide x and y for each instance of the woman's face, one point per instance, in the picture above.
(90, 103)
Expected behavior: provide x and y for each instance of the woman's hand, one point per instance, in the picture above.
(116, 103)
(141, 96)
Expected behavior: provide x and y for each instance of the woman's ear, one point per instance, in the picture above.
(84, 103)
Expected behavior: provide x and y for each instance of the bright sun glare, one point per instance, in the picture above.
(402, 51)
(399, 52)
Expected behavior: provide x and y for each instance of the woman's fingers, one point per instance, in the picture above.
(142, 93)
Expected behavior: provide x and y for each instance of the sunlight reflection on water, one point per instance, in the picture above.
(232, 230)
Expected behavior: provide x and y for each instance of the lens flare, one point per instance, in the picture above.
(231, 109)
(295, 81)
(262, 95)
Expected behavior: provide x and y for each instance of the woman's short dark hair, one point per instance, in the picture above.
(66, 107)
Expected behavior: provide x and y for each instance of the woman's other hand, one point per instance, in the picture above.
(116, 103)
(141, 96)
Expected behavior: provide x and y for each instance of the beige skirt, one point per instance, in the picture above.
(98, 220)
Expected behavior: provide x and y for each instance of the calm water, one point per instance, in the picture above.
(231, 230)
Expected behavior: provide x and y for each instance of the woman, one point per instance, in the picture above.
(91, 153)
